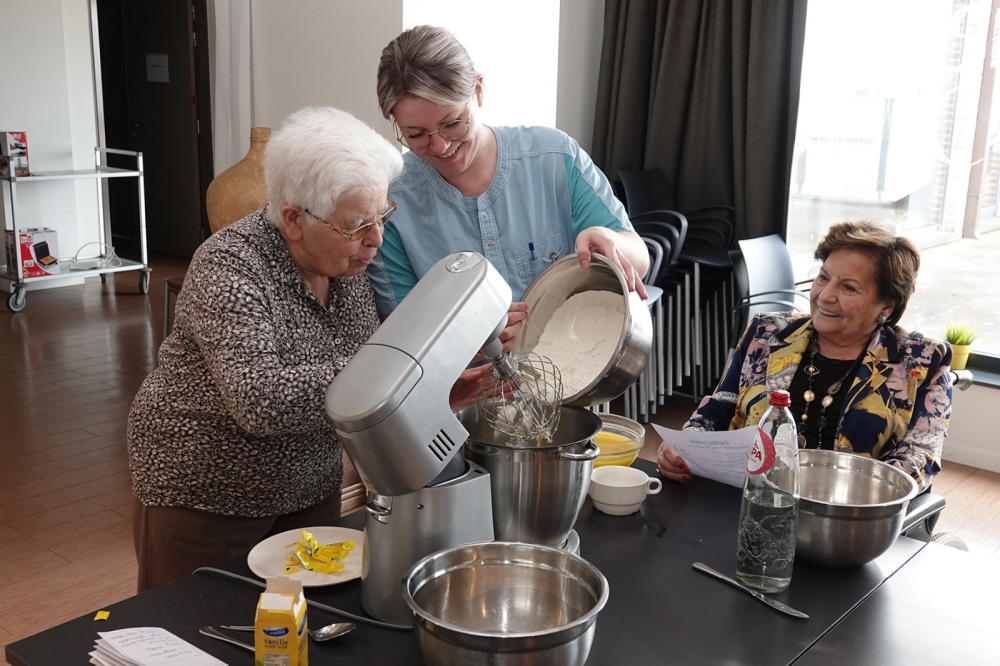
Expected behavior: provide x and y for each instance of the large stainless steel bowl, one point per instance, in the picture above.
(851, 508)
(537, 492)
(505, 604)
(565, 278)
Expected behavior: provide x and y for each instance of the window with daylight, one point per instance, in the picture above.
(898, 123)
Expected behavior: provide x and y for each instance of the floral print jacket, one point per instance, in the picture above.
(897, 409)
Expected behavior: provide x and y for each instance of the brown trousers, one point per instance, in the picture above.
(171, 542)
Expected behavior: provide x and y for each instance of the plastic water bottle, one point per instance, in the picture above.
(765, 549)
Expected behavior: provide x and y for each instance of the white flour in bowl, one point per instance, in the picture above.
(582, 336)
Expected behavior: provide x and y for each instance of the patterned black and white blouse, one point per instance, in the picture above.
(233, 420)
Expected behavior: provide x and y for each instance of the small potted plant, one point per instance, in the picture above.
(960, 336)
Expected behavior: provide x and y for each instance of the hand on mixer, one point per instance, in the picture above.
(517, 313)
(466, 387)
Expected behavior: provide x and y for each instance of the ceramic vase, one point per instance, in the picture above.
(240, 189)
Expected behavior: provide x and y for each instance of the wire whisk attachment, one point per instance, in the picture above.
(522, 397)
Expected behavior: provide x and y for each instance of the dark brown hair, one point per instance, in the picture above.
(897, 258)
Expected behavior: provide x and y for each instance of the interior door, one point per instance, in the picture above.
(163, 110)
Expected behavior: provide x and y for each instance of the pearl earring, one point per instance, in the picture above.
(882, 319)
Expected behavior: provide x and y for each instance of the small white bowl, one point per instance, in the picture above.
(617, 509)
(620, 491)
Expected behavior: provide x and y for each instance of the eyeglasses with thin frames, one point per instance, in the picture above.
(360, 232)
(452, 131)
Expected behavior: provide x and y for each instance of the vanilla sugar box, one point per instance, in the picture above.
(281, 636)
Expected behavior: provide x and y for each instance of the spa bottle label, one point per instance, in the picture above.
(761, 454)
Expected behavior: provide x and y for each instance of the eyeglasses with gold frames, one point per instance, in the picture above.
(359, 232)
(452, 131)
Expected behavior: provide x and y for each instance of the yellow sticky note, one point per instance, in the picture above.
(102, 615)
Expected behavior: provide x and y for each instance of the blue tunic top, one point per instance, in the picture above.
(545, 191)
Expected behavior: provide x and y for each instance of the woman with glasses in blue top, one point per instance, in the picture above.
(521, 196)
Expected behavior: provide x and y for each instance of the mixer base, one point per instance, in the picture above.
(572, 543)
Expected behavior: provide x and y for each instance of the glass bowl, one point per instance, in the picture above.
(619, 440)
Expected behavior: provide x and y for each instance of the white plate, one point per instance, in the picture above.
(267, 559)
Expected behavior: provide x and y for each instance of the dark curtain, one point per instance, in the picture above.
(708, 91)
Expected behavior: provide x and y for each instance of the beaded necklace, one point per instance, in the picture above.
(810, 395)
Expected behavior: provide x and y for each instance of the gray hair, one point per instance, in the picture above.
(320, 155)
(427, 62)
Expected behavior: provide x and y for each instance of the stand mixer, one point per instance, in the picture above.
(390, 408)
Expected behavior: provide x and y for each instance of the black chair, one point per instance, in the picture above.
(649, 389)
(667, 223)
(650, 189)
(704, 254)
(640, 398)
(765, 281)
(669, 231)
(657, 367)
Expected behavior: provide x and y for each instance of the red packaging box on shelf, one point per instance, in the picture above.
(14, 154)
(37, 250)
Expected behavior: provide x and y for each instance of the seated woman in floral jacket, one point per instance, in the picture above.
(858, 382)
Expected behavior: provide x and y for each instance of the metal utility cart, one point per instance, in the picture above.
(102, 264)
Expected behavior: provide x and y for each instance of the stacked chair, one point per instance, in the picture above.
(696, 279)
(665, 235)
(641, 397)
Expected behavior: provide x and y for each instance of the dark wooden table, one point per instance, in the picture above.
(660, 609)
(942, 608)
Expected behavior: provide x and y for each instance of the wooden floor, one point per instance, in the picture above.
(71, 364)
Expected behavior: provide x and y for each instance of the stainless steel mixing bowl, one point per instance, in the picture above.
(537, 492)
(851, 508)
(505, 604)
(565, 278)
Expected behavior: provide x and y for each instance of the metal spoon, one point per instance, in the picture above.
(212, 632)
(331, 631)
(321, 634)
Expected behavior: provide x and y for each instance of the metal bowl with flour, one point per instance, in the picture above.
(565, 278)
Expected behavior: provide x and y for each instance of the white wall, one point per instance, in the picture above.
(581, 30)
(49, 93)
(320, 52)
(327, 52)
(514, 45)
(539, 57)
(82, 120)
(972, 435)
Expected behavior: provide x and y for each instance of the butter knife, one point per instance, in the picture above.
(212, 632)
(784, 608)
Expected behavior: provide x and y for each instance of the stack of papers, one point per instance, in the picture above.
(720, 456)
(147, 646)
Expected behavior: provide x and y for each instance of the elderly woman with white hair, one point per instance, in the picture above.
(228, 438)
